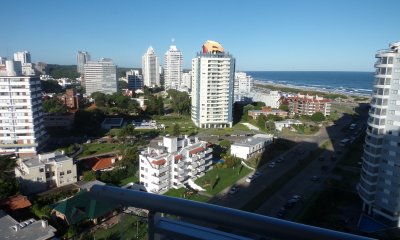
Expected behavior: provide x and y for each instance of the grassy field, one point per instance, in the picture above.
(184, 193)
(125, 229)
(227, 177)
(97, 148)
(185, 123)
(125, 181)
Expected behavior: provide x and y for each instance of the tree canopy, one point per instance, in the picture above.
(118, 102)
(8, 184)
(180, 102)
(54, 105)
(51, 86)
(317, 117)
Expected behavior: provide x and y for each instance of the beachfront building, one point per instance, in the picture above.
(81, 59)
(101, 76)
(173, 61)
(150, 68)
(308, 105)
(242, 86)
(38, 173)
(173, 162)
(251, 146)
(134, 79)
(21, 117)
(270, 98)
(26, 65)
(267, 111)
(186, 81)
(379, 183)
(212, 87)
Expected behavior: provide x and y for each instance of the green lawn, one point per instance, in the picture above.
(125, 229)
(97, 148)
(125, 181)
(227, 177)
(185, 123)
(184, 193)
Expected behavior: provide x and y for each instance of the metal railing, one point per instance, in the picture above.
(217, 216)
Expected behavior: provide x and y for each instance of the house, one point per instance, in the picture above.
(38, 173)
(173, 162)
(15, 203)
(30, 229)
(267, 111)
(308, 105)
(83, 207)
(279, 125)
(109, 123)
(104, 163)
(251, 146)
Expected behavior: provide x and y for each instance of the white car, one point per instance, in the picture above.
(252, 177)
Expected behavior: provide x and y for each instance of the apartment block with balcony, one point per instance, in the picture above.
(44, 171)
(308, 105)
(212, 87)
(21, 117)
(379, 182)
(173, 162)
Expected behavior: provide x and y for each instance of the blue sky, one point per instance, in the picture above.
(280, 35)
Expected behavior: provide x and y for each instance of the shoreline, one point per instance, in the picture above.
(313, 89)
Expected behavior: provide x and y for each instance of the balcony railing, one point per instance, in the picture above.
(212, 215)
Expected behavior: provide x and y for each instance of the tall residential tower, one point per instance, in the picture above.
(21, 121)
(101, 76)
(173, 68)
(213, 72)
(380, 177)
(150, 68)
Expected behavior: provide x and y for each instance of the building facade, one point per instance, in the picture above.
(134, 79)
(308, 105)
(44, 171)
(212, 87)
(101, 76)
(173, 162)
(81, 59)
(187, 80)
(242, 86)
(21, 117)
(173, 61)
(379, 183)
(251, 146)
(269, 98)
(71, 99)
(150, 68)
(267, 111)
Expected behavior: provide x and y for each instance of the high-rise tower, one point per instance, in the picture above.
(173, 68)
(150, 68)
(380, 176)
(81, 59)
(101, 76)
(213, 72)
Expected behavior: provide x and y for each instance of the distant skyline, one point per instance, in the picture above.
(287, 35)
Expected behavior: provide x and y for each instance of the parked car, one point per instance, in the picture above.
(279, 160)
(315, 178)
(233, 190)
(250, 178)
(271, 165)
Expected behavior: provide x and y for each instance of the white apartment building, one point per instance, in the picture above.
(173, 61)
(134, 79)
(242, 86)
(187, 80)
(212, 87)
(173, 162)
(251, 146)
(81, 59)
(26, 64)
(379, 182)
(270, 98)
(38, 173)
(150, 68)
(21, 117)
(101, 76)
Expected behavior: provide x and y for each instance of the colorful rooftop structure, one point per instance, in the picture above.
(212, 47)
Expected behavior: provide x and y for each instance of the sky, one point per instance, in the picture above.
(263, 35)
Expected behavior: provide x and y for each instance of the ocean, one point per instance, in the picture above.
(345, 82)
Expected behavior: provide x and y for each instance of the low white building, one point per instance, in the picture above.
(251, 146)
(270, 98)
(173, 162)
(38, 173)
(279, 125)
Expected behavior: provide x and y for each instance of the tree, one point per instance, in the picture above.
(8, 184)
(317, 117)
(180, 103)
(89, 176)
(246, 110)
(225, 144)
(99, 98)
(176, 131)
(54, 105)
(284, 107)
(261, 121)
(51, 86)
(122, 85)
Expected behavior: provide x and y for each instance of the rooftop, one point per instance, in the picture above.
(42, 159)
(16, 202)
(254, 140)
(27, 230)
(113, 121)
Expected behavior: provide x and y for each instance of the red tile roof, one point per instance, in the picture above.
(178, 157)
(159, 162)
(16, 202)
(103, 163)
(196, 150)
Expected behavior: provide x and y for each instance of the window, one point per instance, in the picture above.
(395, 81)
(39, 179)
(69, 172)
(61, 173)
(391, 112)
(394, 91)
(41, 169)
